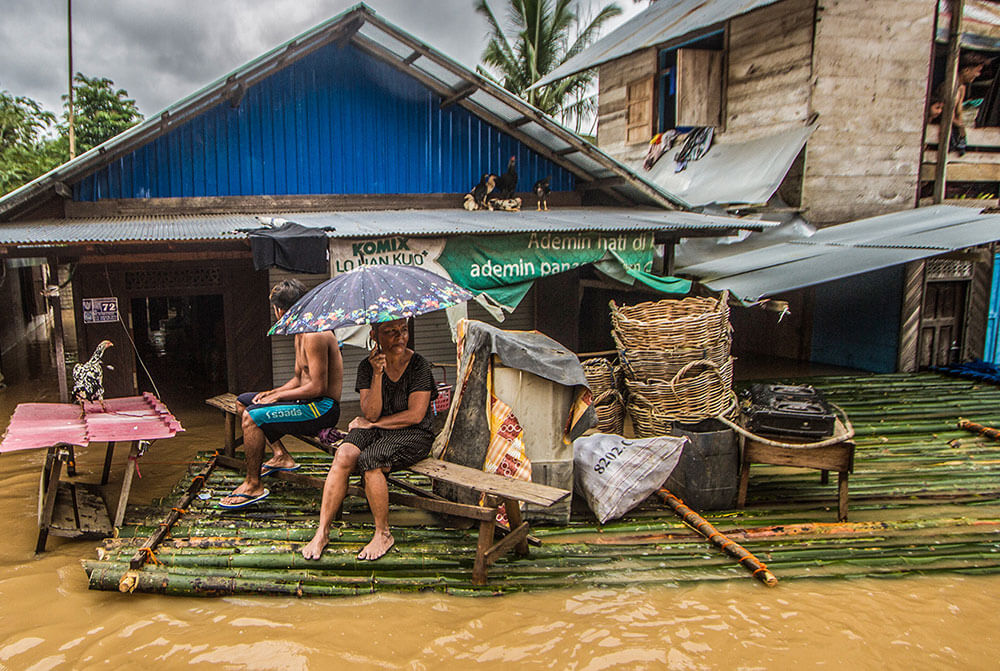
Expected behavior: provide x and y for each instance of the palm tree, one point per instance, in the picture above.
(543, 35)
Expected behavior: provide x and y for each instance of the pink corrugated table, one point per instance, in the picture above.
(60, 428)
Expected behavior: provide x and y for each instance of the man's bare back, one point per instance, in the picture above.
(334, 361)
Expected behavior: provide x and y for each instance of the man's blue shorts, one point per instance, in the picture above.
(307, 417)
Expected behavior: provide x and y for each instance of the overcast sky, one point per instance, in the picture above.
(163, 51)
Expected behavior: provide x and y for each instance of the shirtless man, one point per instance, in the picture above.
(307, 403)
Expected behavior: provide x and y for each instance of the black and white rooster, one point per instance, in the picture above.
(88, 378)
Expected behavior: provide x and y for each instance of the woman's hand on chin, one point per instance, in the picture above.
(359, 423)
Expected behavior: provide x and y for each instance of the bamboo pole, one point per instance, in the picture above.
(704, 527)
(967, 425)
(948, 114)
(145, 552)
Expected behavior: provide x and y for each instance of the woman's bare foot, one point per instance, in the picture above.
(314, 548)
(380, 543)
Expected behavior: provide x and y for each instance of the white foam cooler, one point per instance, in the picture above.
(542, 407)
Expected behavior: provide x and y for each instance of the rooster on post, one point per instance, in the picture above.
(88, 378)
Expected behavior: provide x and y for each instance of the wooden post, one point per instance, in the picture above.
(107, 462)
(480, 566)
(948, 115)
(513, 509)
(133, 454)
(842, 496)
(47, 490)
(57, 322)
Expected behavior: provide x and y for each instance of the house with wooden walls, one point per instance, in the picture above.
(353, 118)
(841, 87)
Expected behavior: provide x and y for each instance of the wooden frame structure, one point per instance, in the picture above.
(838, 457)
(497, 491)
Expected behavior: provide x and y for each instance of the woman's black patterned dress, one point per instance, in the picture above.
(395, 448)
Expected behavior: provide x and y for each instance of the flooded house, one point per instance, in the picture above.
(359, 130)
(817, 117)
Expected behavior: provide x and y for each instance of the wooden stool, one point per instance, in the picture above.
(837, 457)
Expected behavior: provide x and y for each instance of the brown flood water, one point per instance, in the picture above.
(50, 620)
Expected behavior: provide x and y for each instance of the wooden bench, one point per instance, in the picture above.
(496, 489)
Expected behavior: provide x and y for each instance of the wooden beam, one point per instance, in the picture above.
(412, 58)
(948, 114)
(963, 172)
(517, 123)
(461, 93)
(567, 151)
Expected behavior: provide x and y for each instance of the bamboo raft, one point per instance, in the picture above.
(925, 498)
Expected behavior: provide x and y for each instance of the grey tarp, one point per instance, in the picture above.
(466, 436)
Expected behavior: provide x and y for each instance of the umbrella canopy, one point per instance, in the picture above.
(368, 295)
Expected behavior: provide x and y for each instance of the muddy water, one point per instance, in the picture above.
(50, 620)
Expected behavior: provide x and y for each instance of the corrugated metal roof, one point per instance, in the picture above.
(367, 224)
(453, 81)
(844, 250)
(662, 22)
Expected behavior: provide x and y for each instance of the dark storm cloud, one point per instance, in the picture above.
(161, 52)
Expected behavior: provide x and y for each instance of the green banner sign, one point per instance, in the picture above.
(495, 262)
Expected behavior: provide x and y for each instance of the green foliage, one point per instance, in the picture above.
(31, 143)
(24, 148)
(100, 112)
(542, 35)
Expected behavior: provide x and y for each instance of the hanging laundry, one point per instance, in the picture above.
(695, 146)
(658, 146)
(290, 246)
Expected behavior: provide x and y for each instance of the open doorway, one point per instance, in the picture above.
(182, 341)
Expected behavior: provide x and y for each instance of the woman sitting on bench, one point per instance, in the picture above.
(397, 387)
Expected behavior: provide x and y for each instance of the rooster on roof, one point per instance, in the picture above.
(88, 378)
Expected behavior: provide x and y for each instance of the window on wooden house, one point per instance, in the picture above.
(689, 82)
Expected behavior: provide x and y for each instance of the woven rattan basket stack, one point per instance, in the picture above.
(604, 379)
(675, 358)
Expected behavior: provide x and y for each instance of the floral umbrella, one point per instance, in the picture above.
(368, 295)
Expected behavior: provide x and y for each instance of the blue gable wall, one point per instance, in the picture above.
(336, 122)
(856, 320)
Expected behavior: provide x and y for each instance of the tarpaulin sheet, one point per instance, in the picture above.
(467, 434)
(740, 172)
(36, 425)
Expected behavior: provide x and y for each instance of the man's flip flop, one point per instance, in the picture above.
(267, 470)
(250, 499)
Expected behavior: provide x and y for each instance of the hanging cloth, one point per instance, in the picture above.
(292, 247)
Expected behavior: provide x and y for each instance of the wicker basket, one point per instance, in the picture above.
(655, 364)
(699, 390)
(600, 374)
(671, 324)
(646, 421)
(610, 411)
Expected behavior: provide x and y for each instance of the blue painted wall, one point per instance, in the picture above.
(991, 352)
(335, 122)
(856, 321)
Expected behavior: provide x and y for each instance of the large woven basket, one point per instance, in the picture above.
(663, 364)
(646, 421)
(610, 411)
(699, 390)
(671, 324)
